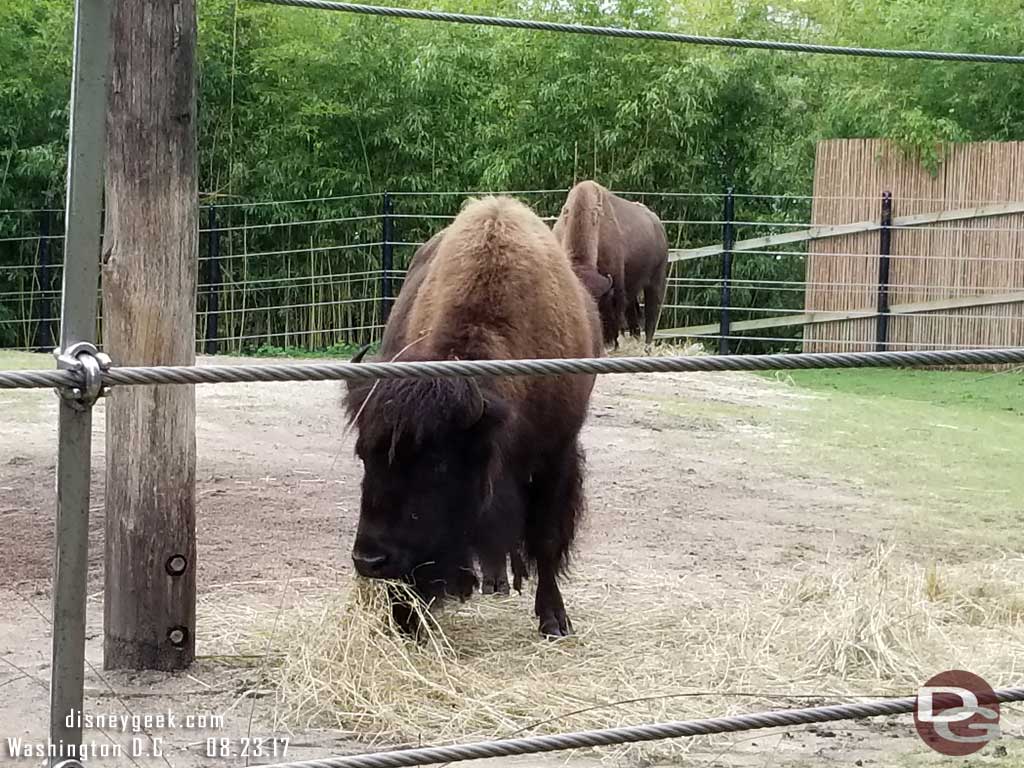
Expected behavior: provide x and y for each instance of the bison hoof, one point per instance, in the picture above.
(494, 587)
(554, 626)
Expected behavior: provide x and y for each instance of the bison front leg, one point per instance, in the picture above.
(519, 570)
(633, 317)
(557, 504)
(494, 574)
(554, 621)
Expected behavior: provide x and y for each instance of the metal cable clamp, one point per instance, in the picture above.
(89, 363)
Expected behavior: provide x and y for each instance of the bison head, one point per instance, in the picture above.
(600, 287)
(430, 450)
(598, 284)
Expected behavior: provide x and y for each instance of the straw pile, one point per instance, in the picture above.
(647, 649)
(630, 347)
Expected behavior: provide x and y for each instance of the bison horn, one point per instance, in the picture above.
(478, 400)
(358, 356)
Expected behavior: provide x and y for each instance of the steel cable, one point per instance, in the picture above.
(626, 735)
(233, 374)
(643, 34)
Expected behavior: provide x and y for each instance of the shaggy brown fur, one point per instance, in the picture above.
(624, 240)
(493, 564)
(395, 331)
(455, 469)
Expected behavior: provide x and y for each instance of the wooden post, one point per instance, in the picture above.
(149, 283)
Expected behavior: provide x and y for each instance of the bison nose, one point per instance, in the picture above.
(372, 565)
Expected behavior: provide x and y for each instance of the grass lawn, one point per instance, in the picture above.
(23, 361)
(947, 443)
(26, 405)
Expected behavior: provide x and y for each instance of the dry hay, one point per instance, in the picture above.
(630, 347)
(238, 621)
(647, 649)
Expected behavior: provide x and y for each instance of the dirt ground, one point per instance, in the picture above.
(679, 480)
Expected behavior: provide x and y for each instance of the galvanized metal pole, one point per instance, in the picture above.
(728, 240)
(884, 250)
(44, 331)
(213, 287)
(387, 258)
(82, 241)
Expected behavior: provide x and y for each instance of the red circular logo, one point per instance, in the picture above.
(956, 713)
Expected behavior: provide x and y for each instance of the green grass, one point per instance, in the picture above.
(947, 444)
(24, 405)
(23, 361)
(338, 350)
(992, 392)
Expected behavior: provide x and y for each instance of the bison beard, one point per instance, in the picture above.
(460, 470)
(430, 449)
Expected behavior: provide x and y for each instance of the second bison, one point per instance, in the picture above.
(625, 241)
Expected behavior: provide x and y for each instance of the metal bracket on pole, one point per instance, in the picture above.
(85, 359)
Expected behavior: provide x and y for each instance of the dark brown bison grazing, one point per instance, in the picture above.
(493, 562)
(457, 470)
(625, 241)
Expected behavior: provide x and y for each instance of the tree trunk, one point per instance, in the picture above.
(149, 288)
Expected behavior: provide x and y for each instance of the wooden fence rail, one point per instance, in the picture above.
(812, 318)
(841, 230)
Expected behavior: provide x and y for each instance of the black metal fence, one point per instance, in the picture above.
(321, 274)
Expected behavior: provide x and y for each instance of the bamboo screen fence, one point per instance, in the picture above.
(956, 283)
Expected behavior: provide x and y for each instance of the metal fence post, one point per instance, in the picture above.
(728, 240)
(212, 284)
(82, 241)
(884, 249)
(387, 257)
(44, 329)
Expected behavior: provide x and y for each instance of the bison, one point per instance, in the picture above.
(493, 564)
(457, 470)
(625, 241)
